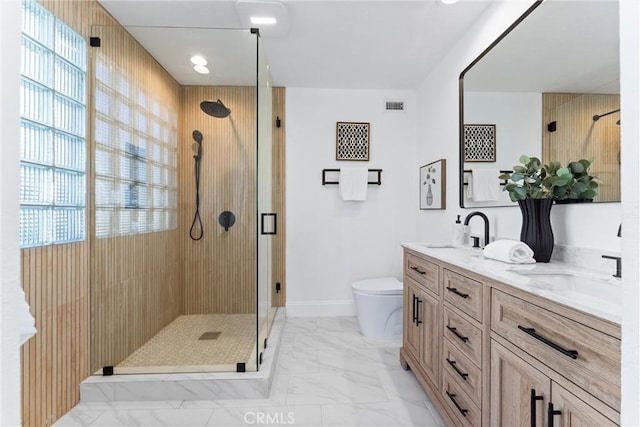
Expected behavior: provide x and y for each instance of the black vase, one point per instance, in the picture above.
(536, 227)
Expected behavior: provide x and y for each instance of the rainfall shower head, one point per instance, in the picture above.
(215, 109)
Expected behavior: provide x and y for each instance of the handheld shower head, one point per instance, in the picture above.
(197, 136)
(215, 109)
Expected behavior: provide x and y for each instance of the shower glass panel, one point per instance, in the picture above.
(162, 302)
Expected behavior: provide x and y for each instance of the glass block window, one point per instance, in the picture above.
(52, 130)
(136, 154)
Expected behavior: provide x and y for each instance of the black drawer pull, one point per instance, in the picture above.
(419, 301)
(414, 309)
(531, 331)
(534, 400)
(456, 333)
(457, 292)
(416, 269)
(551, 413)
(464, 375)
(453, 399)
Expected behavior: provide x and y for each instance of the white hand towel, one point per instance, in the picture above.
(511, 251)
(27, 322)
(485, 185)
(353, 183)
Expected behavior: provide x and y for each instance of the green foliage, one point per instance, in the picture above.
(572, 181)
(526, 180)
(532, 180)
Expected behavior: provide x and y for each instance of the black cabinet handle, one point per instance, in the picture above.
(464, 375)
(457, 292)
(453, 399)
(418, 321)
(416, 269)
(456, 333)
(414, 309)
(534, 399)
(550, 414)
(531, 331)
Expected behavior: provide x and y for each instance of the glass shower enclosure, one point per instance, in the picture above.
(163, 301)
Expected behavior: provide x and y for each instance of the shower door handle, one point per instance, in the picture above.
(275, 223)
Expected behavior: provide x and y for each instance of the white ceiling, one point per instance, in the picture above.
(361, 44)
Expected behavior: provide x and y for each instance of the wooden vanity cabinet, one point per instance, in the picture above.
(489, 354)
(422, 314)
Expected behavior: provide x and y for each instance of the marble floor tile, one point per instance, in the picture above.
(159, 417)
(326, 374)
(387, 414)
(325, 388)
(402, 385)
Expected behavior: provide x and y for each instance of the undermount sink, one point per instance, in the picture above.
(571, 284)
(437, 245)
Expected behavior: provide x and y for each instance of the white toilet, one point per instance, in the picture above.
(379, 307)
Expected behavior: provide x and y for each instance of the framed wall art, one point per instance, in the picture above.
(433, 185)
(479, 143)
(352, 141)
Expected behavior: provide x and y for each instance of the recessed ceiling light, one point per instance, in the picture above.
(198, 60)
(449, 1)
(264, 20)
(201, 69)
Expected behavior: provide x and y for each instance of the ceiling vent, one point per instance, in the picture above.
(396, 106)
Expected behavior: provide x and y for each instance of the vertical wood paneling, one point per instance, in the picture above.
(279, 139)
(55, 360)
(579, 137)
(220, 269)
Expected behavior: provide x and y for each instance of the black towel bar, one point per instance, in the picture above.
(502, 171)
(378, 181)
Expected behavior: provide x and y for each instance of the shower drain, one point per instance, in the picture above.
(210, 336)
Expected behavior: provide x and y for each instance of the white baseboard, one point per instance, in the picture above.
(320, 308)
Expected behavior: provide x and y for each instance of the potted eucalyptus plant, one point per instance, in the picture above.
(572, 183)
(526, 185)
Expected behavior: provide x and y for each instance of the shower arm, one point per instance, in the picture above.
(599, 116)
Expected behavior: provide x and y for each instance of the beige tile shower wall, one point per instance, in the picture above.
(579, 137)
(136, 278)
(220, 269)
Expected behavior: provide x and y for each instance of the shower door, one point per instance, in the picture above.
(267, 218)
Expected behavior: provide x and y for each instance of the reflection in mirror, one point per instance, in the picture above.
(536, 91)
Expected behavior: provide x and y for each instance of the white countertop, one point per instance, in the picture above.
(589, 291)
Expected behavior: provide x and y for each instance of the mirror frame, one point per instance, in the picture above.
(461, 100)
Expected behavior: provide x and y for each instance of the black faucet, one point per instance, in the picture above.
(486, 226)
(617, 258)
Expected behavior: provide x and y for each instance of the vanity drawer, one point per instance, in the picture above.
(423, 272)
(459, 403)
(463, 335)
(462, 370)
(590, 358)
(464, 293)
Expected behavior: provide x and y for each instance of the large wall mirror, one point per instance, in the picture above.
(536, 91)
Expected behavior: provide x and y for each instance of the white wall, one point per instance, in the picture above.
(630, 134)
(438, 121)
(517, 117)
(9, 252)
(330, 242)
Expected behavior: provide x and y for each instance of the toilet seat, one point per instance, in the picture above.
(378, 286)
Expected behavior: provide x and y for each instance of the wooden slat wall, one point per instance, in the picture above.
(56, 282)
(220, 269)
(55, 360)
(579, 137)
(279, 253)
(136, 279)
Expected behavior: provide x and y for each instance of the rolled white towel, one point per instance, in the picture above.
(511, 251)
